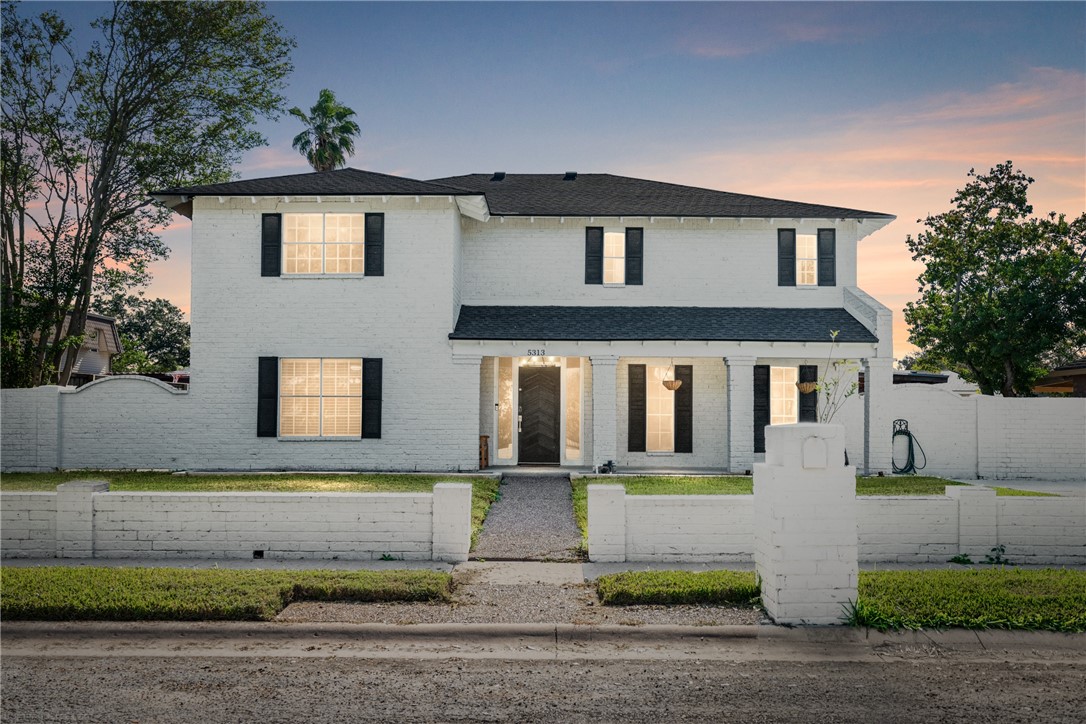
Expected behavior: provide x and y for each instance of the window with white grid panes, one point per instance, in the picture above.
(783, 395)
(324, 243)
(320, 397)
(659, 410)
(614, 257)
(806, 260)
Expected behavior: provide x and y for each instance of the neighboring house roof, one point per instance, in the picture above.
(603, 194)
(763, 324)
(1068, 378)
(343, 182)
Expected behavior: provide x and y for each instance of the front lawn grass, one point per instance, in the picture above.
(176, 594)
(484, 491)
(1005, 598)
(744, 485)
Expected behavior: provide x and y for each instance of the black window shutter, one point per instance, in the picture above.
(635, 253)
(635, 438)
(786, 257)
(808, 403)
(375, 245)
(593, 255)
(371, 397)
(267, 390)
(684, 409)
(827, 257)
(271, 241)
(761, 406)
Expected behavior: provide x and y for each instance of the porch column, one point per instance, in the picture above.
(878, 417)
(604, 409)
(740, 413)
(468, 369)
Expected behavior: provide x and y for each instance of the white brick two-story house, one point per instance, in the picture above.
(354, 320)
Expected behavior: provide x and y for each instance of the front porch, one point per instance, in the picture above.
(574, 413)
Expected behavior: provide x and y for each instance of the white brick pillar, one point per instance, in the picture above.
(469, 384)
(878, 417)
(805, 548)
(604, 409)
(451, 522)
(606, 523)
(740, 413)
(977, 519)
(75, 517)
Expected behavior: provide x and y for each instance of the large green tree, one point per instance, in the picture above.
(328, 138)
(168, 94)
(153, 332)
(1003, 294)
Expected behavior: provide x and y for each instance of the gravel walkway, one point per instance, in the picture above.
(533, 521)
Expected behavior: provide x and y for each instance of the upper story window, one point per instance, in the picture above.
(806, 260)
(324, 244)
(614, 257)
(330, 244)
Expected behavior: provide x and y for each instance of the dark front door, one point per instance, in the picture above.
(540, 400)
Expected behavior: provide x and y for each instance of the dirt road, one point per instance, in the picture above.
(279, 673)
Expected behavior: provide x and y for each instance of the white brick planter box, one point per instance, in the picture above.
(83, 520)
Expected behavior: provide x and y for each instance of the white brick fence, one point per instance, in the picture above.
(909, 529)
(84, 520)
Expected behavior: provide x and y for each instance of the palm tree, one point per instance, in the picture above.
(328, 138)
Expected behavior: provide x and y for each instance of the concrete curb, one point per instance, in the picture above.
(958, 639)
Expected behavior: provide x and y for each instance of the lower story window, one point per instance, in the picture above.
(320, 397)
(783, 395)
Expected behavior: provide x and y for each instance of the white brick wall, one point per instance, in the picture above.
(28, 525)
(28, 429)
(906, 529)
(690, 263)
(81, 520)
(403, 317)
(994, 437)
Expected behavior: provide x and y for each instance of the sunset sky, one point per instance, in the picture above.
(877, 106)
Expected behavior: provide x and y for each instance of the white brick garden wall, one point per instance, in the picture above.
(994, 437)
(907, 529)
(28, 525)
(98, 524)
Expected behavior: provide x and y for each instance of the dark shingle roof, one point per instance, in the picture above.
(602, 194)
(760, 324)
(344, 182)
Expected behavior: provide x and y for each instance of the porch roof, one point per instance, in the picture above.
(584, 324)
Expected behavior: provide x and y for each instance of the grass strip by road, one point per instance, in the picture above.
(1003, 598)
(1000, 598)
(678, 587)
(484, 490)
(175, 594)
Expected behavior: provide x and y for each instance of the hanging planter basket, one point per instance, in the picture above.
(807, 387)
(673, 384)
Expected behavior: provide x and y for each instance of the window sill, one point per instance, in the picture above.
(339, 438)
(322, 276)
(807, 287)
(660, 454)
(614, 286)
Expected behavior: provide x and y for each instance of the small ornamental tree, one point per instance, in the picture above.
(1002, 294)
